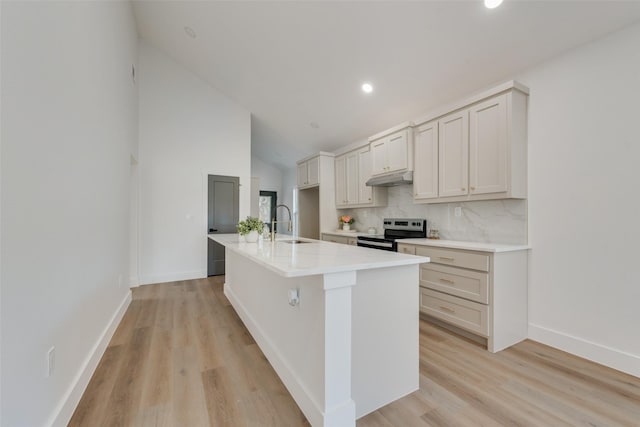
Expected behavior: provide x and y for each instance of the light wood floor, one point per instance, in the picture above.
(181, 357)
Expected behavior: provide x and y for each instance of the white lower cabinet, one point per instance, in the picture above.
(465, 314)
(345, 240)
(484, 293)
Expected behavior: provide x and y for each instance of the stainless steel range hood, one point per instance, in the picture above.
(391, 180)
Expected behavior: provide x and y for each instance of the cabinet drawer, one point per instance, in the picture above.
(335, 239)
(406, 249)
(464, 314)
(471, 285)
(456, 258)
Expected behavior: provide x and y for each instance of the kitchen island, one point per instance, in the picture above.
(339, 324)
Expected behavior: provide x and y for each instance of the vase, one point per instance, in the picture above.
(252, 237)
(346, 227)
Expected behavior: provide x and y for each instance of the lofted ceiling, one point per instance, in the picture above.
(296, 63)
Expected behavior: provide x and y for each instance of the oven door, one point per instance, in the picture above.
(385, 246)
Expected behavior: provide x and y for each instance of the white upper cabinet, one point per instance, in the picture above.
(364, 171)
(313, 169)
(379, 157)
(425, 175)
(392, 152)
(353, 178)
(341, 181)
(481, 148)
(488, 149)
(303, 174)
(453, 147)
(353, 170)
(397, 151)
(347, 180)
(309, 173)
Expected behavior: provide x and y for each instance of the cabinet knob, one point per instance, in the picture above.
(472, 188)
(369, 198)
(462, 189)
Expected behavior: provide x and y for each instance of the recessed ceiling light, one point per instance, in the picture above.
(367, 88)
(190, 32)
(492, 4)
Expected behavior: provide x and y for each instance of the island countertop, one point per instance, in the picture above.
(313, 256)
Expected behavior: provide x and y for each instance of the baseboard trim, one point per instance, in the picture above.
(604, 355)
(298, 390)
(134, 281)
(173, 277)
(66, 407)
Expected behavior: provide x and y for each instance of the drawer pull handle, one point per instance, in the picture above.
(446, 258)
(451, 282)
(450, 310)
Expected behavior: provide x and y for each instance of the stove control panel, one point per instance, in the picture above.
(409, 224)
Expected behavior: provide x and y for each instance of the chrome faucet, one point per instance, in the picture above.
(274, 222)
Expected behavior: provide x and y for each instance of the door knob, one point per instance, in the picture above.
(213, 230)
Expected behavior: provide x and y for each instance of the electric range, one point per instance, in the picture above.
(395, 229)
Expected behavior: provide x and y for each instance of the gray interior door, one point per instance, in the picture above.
(222, 217)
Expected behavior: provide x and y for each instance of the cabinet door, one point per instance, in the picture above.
(425, 168)
(488, 149)
(397, 151)
(364, 172)
(341, 181)
(335, 239)
(453, 153)
(313, 171)
(352, 178)
(378, 157)
(302, 174)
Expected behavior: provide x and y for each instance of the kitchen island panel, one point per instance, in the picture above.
(348, 348)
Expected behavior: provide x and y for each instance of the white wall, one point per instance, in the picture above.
(289, 182)
(270, 176)
(583, 201)
(68, 129)
(187, 130)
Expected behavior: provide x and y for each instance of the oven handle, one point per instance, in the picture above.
(383, 246)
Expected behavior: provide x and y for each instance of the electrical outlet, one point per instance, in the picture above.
(51, 361)
(294, 297)
(457, 212)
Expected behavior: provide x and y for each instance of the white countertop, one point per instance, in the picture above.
(315, 257)
(470, 246)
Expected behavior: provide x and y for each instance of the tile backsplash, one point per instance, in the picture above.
(494, 221)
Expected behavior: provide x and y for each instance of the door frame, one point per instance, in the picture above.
(274, 206)
(204, 218)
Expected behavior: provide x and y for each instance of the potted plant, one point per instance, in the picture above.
(346, 221)
(250, 228)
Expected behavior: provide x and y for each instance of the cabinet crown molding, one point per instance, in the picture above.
(480, 96)
(389, 131)
(321, 153)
